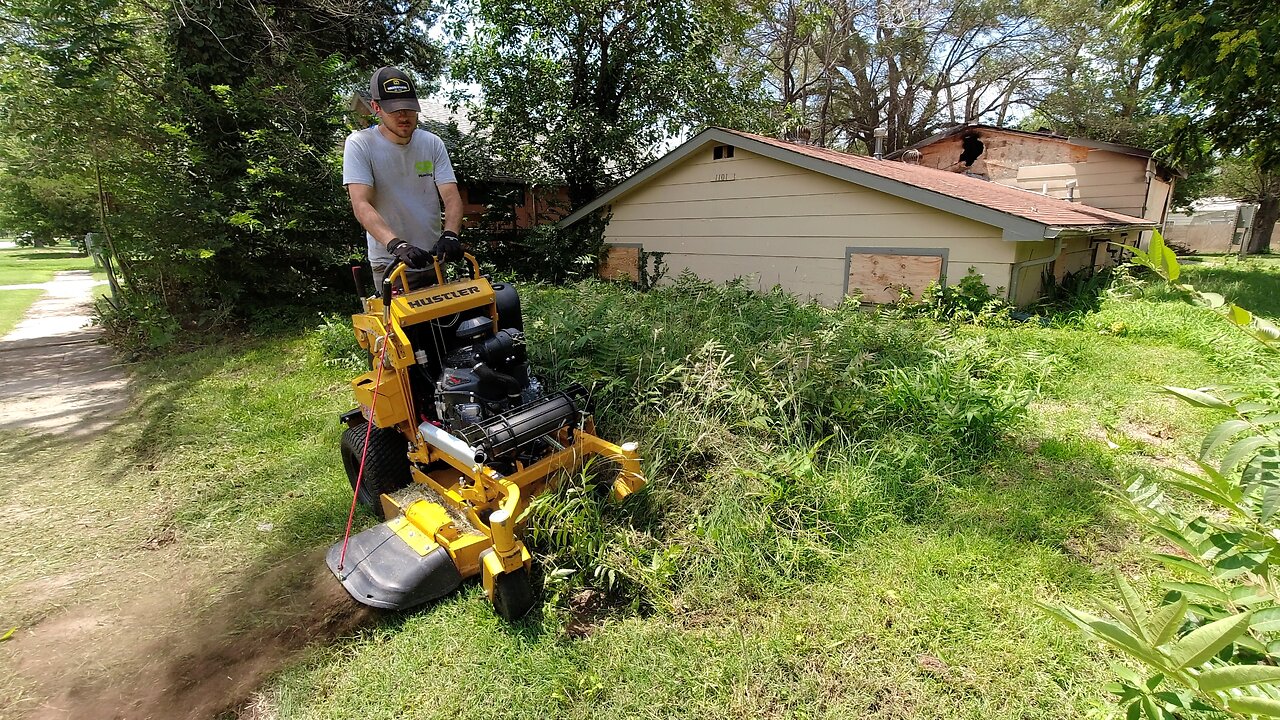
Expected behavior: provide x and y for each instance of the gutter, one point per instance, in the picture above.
(1016, 272)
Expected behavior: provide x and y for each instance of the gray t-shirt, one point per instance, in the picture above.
(404, 179)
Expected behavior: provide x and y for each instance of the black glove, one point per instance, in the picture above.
(415, 257)
(449, 247)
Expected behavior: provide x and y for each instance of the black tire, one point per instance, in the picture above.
(513, 594)
(386, 468)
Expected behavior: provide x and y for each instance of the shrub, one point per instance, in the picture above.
(968, 301)
(335, 341)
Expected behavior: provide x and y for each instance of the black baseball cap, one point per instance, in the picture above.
(393, 90)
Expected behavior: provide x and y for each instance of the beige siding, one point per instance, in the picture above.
(1158, 200)
(787, 226)
(1077, 254)
(1110, 181)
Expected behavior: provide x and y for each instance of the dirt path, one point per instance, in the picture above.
(107, 627)
(58, 378)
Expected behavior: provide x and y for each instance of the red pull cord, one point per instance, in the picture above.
(377, 383)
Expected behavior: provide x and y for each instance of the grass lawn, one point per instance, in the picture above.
(828, 532)
(13, 304)
(20, 266)
(1251, 283)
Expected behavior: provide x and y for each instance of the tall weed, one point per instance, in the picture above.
(776, 432)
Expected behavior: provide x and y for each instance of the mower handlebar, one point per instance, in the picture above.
(397, 270)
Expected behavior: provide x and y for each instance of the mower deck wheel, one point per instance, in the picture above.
(386, 467)
(513, 594)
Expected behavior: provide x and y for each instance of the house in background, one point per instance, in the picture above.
(824, 224)
(1110, 176)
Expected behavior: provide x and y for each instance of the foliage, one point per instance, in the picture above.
(593, 89)
(337, 346)
(742, 403)
(969, 300)
(1218, 632)
(1224, 60)
(1211, 644)
(1080, 291)
(137, 326)
(200, 139)
(652, 269)
(1162, 260)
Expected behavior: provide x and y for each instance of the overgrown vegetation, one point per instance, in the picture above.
(856, 506)
(1210, 644)
(743, 403)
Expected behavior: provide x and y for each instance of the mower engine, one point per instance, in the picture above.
(485, 377)
(452, 438)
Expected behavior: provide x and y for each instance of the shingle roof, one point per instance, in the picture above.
(1021, 214)
(1004, 198)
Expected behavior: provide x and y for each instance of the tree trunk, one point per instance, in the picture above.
(1264, 221)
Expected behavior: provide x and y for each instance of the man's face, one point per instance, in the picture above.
(400, 123)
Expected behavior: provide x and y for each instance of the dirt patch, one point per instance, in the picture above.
(172, 654)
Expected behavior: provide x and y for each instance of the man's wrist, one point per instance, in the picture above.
(450, 233)
(393, 243)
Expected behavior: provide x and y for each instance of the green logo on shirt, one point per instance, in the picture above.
(425, 167)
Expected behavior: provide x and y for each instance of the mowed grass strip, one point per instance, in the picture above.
(13, 305)
(21, 266)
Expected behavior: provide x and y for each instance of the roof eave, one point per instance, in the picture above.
(1011, 224)
(1014, 227)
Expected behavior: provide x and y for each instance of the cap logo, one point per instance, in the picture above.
(396, 86)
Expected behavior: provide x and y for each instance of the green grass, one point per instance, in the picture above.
(13, 305)
(850, 514)
(1253, 284)
(19, 266)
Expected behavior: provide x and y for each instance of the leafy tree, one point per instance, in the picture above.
(1222, 57)
(843, 69)
(593, 89)
(257, 83)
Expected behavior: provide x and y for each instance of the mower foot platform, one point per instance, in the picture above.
(384, 571)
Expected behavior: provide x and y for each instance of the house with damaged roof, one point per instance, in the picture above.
(824, 224)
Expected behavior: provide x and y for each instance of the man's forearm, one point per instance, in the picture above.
(371, 220)
(453, 218)
(452, 202)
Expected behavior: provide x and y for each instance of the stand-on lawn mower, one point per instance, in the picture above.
(452, 438)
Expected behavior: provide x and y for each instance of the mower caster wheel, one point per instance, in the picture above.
(386, 464)
(513, 594)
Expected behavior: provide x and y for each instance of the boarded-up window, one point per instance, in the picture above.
(621, 263)
(881, 276)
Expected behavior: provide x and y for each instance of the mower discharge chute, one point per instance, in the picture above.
(455, 436)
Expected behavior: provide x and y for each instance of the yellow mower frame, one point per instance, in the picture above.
(470, 511)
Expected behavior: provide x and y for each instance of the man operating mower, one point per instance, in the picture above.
(397, 176)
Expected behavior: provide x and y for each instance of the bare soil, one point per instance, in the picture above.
(159, 633)
(162, 651)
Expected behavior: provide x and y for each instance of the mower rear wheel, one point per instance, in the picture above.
(386, 467)
(513, 594)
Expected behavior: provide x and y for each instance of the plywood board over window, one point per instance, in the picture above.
(621, 262)
(881, 274)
